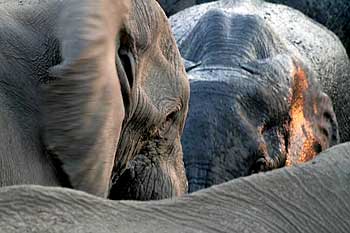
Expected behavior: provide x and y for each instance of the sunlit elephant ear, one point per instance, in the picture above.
(83, 108)
(312, 126)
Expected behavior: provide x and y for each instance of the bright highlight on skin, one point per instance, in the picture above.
(301, 131)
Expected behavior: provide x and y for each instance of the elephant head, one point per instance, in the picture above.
(116, 103)
(254, 106)
(158, 104)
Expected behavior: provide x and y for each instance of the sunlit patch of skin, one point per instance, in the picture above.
(302, 139)
(308, 152)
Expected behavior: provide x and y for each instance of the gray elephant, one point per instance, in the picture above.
(334, 14)
(173, 6)
(256, 103)
(94, 96)
(312, 197)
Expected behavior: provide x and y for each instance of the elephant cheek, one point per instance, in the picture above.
(177, 175)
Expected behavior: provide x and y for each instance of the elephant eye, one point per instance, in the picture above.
(172, 116)
(166, 125)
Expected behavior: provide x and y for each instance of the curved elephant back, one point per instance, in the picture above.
(312, 197)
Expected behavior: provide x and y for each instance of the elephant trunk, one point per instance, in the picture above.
(156, 172)
(197, 175)
(217, 145)
(142, 180)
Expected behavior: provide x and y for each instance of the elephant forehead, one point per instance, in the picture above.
(184, 21)
(160, 71)
(165, 86)
(239, 80)
(149, 27)
(147, 24)
(256, 96)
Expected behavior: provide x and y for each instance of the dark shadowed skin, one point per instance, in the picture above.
(173, 6)
(256, 103)
(312, 197)
(77, 76)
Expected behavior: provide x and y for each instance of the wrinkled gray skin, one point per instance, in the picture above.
(312, 197)
(256, 103)
(334, 14)
(86, 87)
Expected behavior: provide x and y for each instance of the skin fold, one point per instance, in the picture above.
(86, 87)
(256, 101)
(311, 197)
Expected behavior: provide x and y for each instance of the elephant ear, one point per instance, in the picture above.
(83, 105)
(312, 125)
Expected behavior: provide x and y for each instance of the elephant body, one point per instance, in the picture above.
(312, 197)
(334, 14)
(80, 99)
(173, 6)
(24, 59)
(256, 72)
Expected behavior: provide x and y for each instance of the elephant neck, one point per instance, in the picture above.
(222, 40)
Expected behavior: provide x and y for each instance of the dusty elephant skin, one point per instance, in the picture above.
(86, 87)
(334, 14)
(312, 197)
(256, 101)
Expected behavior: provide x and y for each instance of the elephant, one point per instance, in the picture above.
(310, 197)
(334, 14)
(256, 82)
(173, 6)
(94, 96)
